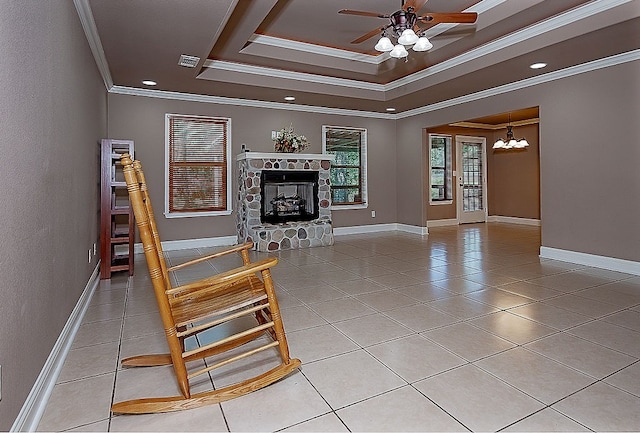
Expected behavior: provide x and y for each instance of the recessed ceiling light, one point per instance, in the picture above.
(538, 65)
(149, 83)
(391, 109)
(289, 98)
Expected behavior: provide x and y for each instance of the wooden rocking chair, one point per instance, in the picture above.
(190, 309)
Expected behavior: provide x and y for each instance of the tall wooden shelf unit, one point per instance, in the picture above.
(117, 225)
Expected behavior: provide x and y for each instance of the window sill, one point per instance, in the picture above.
(440, 203)
(349, 206)
(196, 214)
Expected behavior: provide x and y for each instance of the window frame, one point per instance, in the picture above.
(363, 166)
(448, 170)
(229, 196)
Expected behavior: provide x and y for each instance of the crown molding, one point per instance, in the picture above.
(528, 82)
(540, 79)
(317, 49)
(91, 32)
(532, 121)
(161, 94)
(291, 75)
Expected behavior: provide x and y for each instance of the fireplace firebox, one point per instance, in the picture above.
(288, 196)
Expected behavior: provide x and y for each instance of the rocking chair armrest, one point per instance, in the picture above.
(224, 278)
(234, 249)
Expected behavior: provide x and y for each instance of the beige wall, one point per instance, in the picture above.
(588, 158)
(513, 176)
(142, 120)
(589, 154)
(53, 106)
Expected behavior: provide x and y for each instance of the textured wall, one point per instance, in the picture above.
(53, 110)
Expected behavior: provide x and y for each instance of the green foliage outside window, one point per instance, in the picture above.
(347, 168)
(440, 175)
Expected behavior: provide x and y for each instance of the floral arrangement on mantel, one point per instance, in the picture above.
(287, 141)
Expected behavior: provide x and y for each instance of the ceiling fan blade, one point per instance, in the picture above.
(461, 18)
(369, 35)
(362, 13)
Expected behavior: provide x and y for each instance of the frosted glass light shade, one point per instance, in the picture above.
(523, 143)
(408, 37)
(399, 51)
(423, 44)
(498, 144)
(384, 44)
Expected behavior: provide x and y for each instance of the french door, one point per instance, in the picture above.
(471, 163)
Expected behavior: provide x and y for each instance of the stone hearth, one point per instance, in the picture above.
(292, 234)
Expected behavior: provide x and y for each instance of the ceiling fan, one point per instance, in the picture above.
(403, 24)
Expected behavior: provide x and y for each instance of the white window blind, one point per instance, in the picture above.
(198, 165)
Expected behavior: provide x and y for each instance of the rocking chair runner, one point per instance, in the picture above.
(201, 305)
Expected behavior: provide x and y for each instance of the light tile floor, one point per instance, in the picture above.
(466, 329)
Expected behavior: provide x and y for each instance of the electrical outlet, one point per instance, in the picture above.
(373, 214)
(273, 135)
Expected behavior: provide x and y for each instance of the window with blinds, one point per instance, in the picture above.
(198, 172)
(348, 170)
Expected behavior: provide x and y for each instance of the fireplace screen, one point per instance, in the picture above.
(288, 196)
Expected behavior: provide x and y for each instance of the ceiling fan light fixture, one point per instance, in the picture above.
(399, 52)
(423, 44)
(408, 37)
(384, 44)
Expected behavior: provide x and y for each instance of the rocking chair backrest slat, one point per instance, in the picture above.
(154, 263)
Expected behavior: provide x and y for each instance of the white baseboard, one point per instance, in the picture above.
(36, 402)
(513, 220)
(603, 262)
(376, 228)
(442, 223)
(232, 240)
(220, 241)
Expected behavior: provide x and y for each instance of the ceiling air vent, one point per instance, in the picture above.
(188, 61)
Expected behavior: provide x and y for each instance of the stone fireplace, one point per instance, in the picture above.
(284, 200)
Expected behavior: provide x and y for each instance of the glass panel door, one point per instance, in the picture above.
(471, 163)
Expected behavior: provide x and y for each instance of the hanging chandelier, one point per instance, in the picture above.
(402, 23)
(510, 142)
